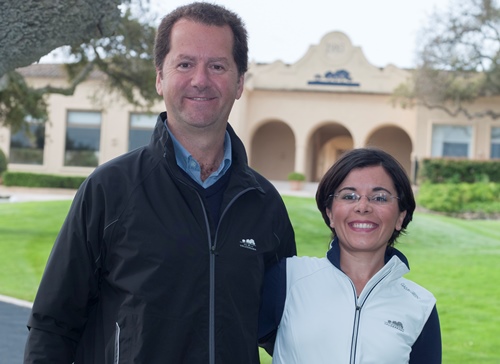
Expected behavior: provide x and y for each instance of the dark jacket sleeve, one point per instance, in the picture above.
(427, 349)
(272, 306)
(46, 347)
(69, 285)
(284, 231)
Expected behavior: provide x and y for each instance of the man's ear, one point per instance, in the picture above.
(159, 80)
(241, 83)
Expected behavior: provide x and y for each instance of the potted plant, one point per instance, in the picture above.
(296, 180)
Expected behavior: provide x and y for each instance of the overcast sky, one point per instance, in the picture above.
(386, 30)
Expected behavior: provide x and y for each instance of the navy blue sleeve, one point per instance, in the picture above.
(427, 349)
(272, 305)
(46, 347)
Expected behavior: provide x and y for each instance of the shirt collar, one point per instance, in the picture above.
(190, 165)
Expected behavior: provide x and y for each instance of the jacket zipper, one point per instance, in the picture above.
(357, 317)
(211, 319)
(211, 296)
(116, 358)
(213, 254)
(354, 340)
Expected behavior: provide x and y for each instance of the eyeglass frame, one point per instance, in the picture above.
(334, 196)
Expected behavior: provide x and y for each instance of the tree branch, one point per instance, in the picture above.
(68, 91)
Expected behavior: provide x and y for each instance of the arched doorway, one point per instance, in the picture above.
(395, 141)
(272, 151)
(327, 143)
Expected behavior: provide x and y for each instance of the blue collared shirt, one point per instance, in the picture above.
(191, 166)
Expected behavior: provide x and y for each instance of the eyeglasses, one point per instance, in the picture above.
(379, 198)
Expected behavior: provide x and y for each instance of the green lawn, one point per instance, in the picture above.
(455, 259)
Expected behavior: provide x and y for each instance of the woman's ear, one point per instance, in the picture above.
(399, 221)
(330, 217)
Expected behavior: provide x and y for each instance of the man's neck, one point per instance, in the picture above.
(206, 147)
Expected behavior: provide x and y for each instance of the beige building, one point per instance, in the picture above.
(291, 117)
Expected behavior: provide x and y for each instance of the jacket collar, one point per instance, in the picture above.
(242, 175)
(333, 254)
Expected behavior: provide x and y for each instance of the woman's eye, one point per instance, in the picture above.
(349, 197)
(379, 198)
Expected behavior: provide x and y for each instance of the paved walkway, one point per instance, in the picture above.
(24, 194)
(14, 313)
(13, 332)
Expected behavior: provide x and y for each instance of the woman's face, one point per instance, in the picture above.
(363, 225)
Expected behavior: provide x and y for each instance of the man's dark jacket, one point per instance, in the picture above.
(136, 277)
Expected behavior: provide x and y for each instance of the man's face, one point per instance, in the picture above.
(199, 79)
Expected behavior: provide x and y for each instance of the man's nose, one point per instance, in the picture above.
(200, 77)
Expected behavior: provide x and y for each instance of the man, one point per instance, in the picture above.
(162, 255)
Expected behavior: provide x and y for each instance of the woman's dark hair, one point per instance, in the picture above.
(208, 14)
(361, 158)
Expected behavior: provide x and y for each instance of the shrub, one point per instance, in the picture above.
(296, 176)
(41, 180)
(460, 197)
(3, 162)
(442, 170)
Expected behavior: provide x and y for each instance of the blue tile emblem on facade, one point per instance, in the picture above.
(337, 78)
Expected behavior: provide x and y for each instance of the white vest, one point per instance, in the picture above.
(324, 322)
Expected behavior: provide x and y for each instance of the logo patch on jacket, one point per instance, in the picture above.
(248, 244)
(396, 324)
(409, 290)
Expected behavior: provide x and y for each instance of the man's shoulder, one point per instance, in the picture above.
(130, 163)
(264, 183)
(123, 172)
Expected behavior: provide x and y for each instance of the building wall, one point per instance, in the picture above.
(297, 117)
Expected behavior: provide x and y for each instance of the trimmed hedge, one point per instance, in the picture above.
(438, 170)
(23, 179)
(460, 197)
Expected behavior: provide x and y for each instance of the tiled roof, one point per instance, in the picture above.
(47, 70)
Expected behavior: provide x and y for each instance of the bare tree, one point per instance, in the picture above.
(458, 60)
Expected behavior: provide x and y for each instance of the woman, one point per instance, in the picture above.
(354, 306)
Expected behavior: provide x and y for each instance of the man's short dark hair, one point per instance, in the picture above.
(208, 14)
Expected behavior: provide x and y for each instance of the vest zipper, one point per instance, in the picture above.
(354, 341)
(357, 316)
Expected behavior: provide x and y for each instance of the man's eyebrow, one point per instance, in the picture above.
(188, 57)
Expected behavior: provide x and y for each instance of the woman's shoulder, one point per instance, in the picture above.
(305, 265)
(416, 293)
(307, 260)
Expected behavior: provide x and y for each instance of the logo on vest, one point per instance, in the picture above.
(409, 290)
(395, 324)
(248, 244)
